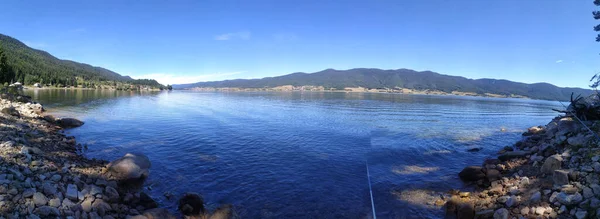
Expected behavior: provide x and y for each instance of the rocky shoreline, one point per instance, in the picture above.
(43, 175)
(553, 172)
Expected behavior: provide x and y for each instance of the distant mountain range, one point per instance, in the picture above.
(31, 66)
(399, 78)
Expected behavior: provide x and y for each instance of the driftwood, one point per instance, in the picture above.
(584, 108)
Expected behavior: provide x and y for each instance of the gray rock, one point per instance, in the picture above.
(101, 182)
(587, 192)
(578, 140)
(536, 197)
(581, 214)
(595, 188)
(55, 202)
(72, 192)
(594, 203)
(501, 213)
(101, 207)
(472, 173)
(31, 150)
(55, 178)
(111, 194)
(560, 177)
(39, 199)
(552, 163)
(68, 204)
(28, 193)
(525, 211)
(46, 211)
(11, 111)
(513, 155)
(86, 205)
(69, 122)
(540, 210)
(596, 166)
(95, 190)
(49, 189)
(130, 167)
(567, 125)
(562, 209)
(569, 199)
(511, 201)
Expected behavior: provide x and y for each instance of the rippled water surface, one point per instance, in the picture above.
(299, 155)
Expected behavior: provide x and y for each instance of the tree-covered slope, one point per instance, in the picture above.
(403, 78)
(29, 66)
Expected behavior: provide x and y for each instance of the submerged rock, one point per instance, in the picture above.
(68, 122)
(472, 173)
(130, 167)
(191, 204)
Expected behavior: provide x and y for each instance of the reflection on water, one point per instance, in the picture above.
(83, 99)
(300, 155)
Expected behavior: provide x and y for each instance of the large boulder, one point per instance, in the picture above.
(129, 167)
(472, 173)
(551, 164)
(69, 122)
(11, 111)
(191, 204)
(567, 125)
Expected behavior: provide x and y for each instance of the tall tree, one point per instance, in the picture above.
(596, 78)
(597, 17)
(6, 72)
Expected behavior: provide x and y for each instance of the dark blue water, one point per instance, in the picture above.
(300, 155)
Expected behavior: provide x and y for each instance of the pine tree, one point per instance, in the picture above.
(597, 17)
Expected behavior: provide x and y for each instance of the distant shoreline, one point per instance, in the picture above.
(284, 89)
(81, 88)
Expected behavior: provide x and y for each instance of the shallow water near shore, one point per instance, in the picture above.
(299, 155)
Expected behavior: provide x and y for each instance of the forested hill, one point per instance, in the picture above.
(29, 66)
(400, 78)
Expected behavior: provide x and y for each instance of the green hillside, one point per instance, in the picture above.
(30, 66)
(401, 78)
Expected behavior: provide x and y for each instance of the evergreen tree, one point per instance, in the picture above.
(597, 17)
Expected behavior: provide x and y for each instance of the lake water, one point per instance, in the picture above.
(299, 155)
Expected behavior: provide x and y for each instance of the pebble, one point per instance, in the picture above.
(39, 199)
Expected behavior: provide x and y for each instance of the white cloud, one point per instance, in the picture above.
(244, 35)
(559, 61)
(167, 78)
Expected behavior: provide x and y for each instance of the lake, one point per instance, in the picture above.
(299, 155)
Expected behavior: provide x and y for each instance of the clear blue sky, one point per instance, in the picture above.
(189, 41)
